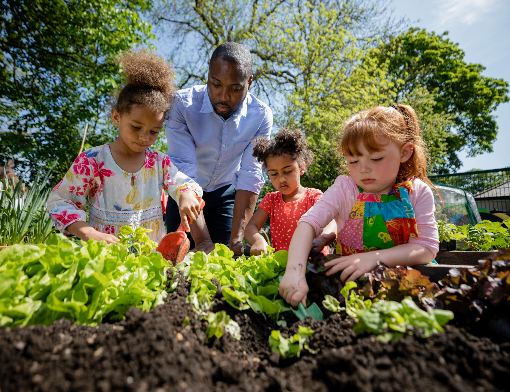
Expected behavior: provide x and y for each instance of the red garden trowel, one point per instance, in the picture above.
(174, 246)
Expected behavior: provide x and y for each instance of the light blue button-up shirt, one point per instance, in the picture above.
(211, 150)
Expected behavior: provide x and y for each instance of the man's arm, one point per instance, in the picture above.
(244, 204)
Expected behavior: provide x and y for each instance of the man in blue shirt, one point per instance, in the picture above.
(209, 130)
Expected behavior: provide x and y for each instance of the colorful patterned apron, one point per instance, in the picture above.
(379, 221)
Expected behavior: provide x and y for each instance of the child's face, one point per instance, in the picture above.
(285, 174)
(138, 129)
(376, 172)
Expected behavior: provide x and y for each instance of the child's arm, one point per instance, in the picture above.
(85, 232)
(293, 287)
(353, 266)
(67, 200)
(252, 235)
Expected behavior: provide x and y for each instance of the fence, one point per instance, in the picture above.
(490, 188)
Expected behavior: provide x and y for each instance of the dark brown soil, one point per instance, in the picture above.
(154, 352)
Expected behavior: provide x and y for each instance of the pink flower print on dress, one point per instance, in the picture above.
(77, 190)
(81, 165)
(64, 219)
(149, 163)
(109, 229)
(166, 161)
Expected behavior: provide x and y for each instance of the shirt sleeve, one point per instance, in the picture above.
(266, 202)
(181, 145)
(176, 182)
(335, 203)
(67, 201)
(422, 200)
(249, 177)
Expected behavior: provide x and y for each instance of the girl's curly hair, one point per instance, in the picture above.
(149, 82)
(286, 142)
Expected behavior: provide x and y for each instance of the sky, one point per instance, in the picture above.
(482, 30)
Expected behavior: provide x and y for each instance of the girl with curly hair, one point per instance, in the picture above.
(285, 160)
(123, 180)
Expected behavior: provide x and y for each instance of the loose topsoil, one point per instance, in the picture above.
(154, 352)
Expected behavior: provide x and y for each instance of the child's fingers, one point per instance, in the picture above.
(184, 221)
(347, 272)
(355, 276)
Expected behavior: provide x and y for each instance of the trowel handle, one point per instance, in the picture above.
(202, 204)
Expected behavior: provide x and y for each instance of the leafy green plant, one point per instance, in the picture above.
(219, 323)
(23, 217)
(291, 347)
(137, 240)
(391, 320)
(245, 283)
(485, 236)
(448, 232)
(353, 301)
(58, 279)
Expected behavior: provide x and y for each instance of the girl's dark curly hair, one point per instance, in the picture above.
(149, 82)
(286, 142)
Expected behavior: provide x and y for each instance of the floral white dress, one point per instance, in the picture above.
(115, 197)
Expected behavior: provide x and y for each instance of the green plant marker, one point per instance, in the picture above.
(312, 311)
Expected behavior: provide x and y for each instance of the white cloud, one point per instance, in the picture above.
(463, 11)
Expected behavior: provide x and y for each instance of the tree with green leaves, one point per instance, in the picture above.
(309, 59)
(417, 59)
(57, 73)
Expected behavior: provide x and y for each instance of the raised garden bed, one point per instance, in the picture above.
(447, 260)
(154, 352)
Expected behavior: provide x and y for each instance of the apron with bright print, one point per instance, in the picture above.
(379, 221)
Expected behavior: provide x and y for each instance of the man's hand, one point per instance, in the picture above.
(189, 208)
(204, 246)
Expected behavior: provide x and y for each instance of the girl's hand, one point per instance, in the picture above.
(85, 232)
(321, 241)
(293, 288)
(353, 266)
(189, 208)
(259, 247)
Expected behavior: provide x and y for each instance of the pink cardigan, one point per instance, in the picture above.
(338, 200)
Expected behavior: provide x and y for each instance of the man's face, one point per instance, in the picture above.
(227, 87)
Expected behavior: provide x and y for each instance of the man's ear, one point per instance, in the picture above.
(115, 117)
(406, 152)
(250, 81)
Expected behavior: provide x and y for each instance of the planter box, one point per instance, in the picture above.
(448, 260)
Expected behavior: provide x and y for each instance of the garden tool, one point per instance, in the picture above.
(174, 246)
(312, 310)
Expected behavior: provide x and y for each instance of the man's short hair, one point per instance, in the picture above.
(235, 53)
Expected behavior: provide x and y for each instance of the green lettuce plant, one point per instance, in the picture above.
(219, 323)
(59, 279)
(245, 283)
(291, 347)
(391, 320)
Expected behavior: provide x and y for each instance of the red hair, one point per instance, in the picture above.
(397, 123)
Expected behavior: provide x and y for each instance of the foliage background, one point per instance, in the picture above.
(316, 63)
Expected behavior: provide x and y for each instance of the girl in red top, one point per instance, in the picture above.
(285, 159)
